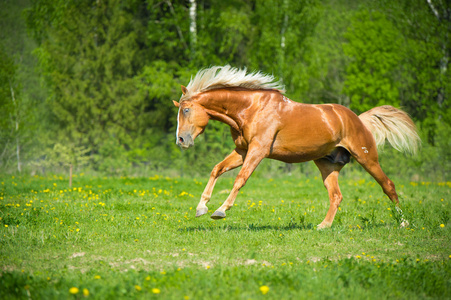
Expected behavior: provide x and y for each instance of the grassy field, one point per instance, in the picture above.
(112, 238)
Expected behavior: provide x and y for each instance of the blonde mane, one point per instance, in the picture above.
(226, 76)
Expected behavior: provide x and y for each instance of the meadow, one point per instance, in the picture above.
(127, 237)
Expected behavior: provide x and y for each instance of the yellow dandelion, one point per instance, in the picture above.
(138, 288)
(97, 277)
(442, 225)
(85, 292)
(264, 289)
(6, 225)
(156, 291)
(74, 290)
(147, 278)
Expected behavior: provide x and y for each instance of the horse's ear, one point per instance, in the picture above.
(176, 103)
(184, 90)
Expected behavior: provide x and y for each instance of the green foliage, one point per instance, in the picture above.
(7, 77)
(90, 59)
(104, 73)
(374, 50)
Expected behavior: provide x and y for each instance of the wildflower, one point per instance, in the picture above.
(147, 278)
(85, 292)
(6, 225)
(264, 289)
(73, 290)
(97, 277)
(156, 291)
(138, 288)
(442, 225)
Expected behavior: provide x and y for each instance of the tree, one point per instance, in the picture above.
(373, 46)
(424, 77)
(9, 110)
(91, 53)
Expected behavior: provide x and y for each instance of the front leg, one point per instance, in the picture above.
(232, 161)
(253, 158)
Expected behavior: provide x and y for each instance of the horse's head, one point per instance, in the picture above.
(191, 121)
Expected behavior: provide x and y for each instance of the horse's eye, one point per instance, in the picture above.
(186, 110)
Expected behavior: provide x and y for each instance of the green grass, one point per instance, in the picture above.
(138, 238)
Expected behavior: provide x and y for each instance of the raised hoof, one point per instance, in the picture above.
(201, 211)
(218, 215)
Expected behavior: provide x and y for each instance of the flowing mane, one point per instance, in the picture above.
(226, 76)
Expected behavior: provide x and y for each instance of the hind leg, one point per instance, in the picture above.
(370, 162)
(329, 172)
(373, 167)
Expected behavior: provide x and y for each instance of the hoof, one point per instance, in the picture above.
(404, 223)
(218, 215)
(201, 211)
(323, 226)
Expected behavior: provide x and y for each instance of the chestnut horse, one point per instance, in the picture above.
(266, 124)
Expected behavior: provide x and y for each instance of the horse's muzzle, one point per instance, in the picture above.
(185, 141)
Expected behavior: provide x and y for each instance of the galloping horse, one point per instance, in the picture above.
(266, 124)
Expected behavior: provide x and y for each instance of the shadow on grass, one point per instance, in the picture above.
(248, 227)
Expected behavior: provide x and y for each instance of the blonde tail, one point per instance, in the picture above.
(387, 122)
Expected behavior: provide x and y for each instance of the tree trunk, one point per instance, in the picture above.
(16, 121)
(193, 25)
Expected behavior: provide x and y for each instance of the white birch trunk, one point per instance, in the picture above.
(282, 39)
(442, 16)
(193, 24)
(16, 121)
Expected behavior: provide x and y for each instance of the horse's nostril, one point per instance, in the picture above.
(181, 140)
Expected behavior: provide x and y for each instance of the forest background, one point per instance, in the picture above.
(90, 83)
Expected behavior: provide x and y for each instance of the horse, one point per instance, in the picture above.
(264, 123)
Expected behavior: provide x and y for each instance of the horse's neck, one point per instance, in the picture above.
(225, 105)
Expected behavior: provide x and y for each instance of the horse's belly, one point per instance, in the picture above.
(301, 155)
(296, 148)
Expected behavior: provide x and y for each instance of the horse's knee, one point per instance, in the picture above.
(217, 170)
(239, 182)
